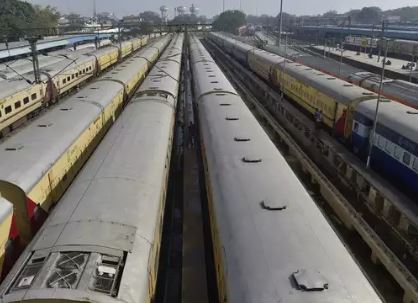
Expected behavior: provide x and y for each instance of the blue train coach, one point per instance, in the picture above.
(395, 146)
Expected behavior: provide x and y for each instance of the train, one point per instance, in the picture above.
(271, 242)
(404, 49)
(23, 96)
(40, 161)
(102, 242)
(341, 104)
(394, 89)
(17, 69)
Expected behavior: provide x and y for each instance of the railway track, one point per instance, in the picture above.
(397, 265)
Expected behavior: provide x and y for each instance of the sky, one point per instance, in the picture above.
(213, 7)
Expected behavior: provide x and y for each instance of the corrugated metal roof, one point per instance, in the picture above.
(22, 47)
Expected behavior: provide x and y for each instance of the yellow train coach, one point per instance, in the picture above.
(39, 162)
(314, 90)
(22, 96)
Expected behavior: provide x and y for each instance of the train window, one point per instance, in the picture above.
(72, 76)
(8, 109)
(26, 100)
(0, 113)
(406, 158)
(398, 152)
(68, 78)
(17, 104)
(415, 165)
(64, 81)
(33, 96)
(76, 74)
(389, 147)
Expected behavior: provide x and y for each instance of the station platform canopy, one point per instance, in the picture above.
(22, 48)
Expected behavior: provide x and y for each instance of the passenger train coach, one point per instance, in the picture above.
(271, 242)
(344, 111)
(21, 96)
(102, 241)
(39, 162)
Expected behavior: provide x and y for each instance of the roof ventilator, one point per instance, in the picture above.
(68, 270)
(411, 113)
(271, 206)
(309, 280)
(229, 118)
(241, 139)
(14, 147)
(105, 277)
(28, 274)
(251, 159)
(45, 125)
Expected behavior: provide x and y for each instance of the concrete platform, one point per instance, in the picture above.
(363, 61)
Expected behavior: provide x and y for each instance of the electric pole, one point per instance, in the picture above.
(32, 42)
(381, 40)
(376, 114)
(280, 23)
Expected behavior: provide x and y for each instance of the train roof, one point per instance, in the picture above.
(10, 87)
(341, 90)
(25, 157)
(396, 116)
(163, 77)
(112, 210)
(208, 78)
(275, 241)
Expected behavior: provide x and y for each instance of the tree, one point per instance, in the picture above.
(229, 21)
(18, 18)
(151, 17)
(407, 14)
(264, 20)
(75, 22)
(15, 16)
(45, 17)
(369, 15)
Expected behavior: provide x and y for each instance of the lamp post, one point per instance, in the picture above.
(376, 114)
(280, 23)
(381, 40)
(341, 59)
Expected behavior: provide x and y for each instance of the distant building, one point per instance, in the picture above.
(131, 20)
(393, 19)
